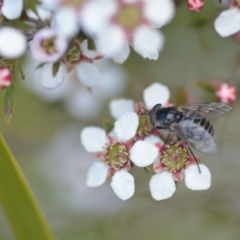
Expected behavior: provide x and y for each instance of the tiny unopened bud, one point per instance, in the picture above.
(5, 77)
(195, 5)
(226, 93)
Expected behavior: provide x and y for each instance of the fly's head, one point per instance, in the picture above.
(161, 117)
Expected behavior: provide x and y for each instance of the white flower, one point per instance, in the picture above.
(228, 22)
(173, 162)
(13, 43)
(11, 9)
(114, 153)
(48, 45)
(152, 95)
(117, 24)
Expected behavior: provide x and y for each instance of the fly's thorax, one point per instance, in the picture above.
(166, 116)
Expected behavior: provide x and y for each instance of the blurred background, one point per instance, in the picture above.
(44, 137)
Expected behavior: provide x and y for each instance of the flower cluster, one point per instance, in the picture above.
(132, 140)
(95, 29)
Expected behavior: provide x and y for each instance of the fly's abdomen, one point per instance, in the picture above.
(205, 124)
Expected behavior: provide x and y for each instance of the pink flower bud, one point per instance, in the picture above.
(195, 5)
(226, 93)
(5, 77)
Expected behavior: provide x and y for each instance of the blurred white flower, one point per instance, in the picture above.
(78, 101)
(13, 43)
(117, 24)
(152, 95)
(228, 21)
(114, 153)
(48, 45)
(11, 9)
(175, 160)
(5, 77)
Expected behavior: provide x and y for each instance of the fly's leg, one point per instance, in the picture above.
(194, 157)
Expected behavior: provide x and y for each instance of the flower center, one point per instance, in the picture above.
(144, 126)
(73, 55)
(129, 16)
(175, 157)
(48, 45)
(117, 156)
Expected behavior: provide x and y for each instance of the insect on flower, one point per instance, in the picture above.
(190, 122)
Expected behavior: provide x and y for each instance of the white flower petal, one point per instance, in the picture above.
(143, 153)
(122, 56)
(154, 94)
(12, 43)
(86, 52)
(159, 12)
(97, 174)
(46, 78)
(123, 184)
(153, 139)
(195, 180)
(148, 42)
(89, 75)
(120, 106)
(93, 139)
(12, 9)
(110, 41)
(126, 126)
(228, 22)
(96, 14)
(69, 29)
(162, 185)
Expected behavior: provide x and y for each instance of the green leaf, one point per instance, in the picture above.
(31, 4)
(9, 103)
(181, 96)
(108, 126)
(40, 65)
(18, 201)
(20, 71)
(55, 68)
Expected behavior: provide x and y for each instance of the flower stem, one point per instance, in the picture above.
(18, 201)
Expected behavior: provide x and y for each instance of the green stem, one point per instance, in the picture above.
(18, 201)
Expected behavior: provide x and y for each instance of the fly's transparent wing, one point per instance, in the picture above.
(196, 136)
(207, 110)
